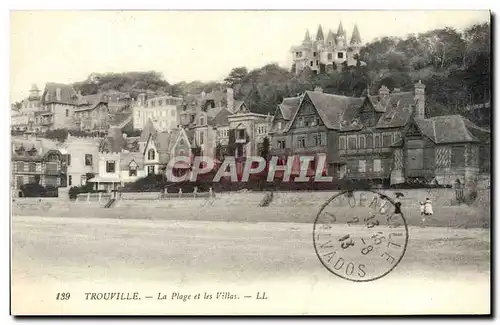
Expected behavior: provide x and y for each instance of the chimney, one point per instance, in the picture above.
(230, 99)
(318, 89)
(383, 94)
(420, 100)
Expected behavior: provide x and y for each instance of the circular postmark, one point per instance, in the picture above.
(360, 242)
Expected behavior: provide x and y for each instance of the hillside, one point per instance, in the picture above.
(454, 66)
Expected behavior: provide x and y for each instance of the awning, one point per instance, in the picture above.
(108, 179)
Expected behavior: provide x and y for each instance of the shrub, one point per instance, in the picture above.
(33, 190)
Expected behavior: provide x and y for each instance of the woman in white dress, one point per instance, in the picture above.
(428, 207)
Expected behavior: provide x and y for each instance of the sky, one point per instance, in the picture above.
(67, 46)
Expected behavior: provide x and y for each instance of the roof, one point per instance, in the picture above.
(41, 148)
(319, 34)
(68, 94)
(356, 37)
(218, 116)
(452, 129)
(148, 129)
(127, 157)
(164, 143)
(331, 107)
(289, 106)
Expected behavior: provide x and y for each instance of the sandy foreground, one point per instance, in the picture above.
(444, 271)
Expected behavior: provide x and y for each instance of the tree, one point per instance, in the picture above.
(218, 151)
(236, 76)
(265, 148)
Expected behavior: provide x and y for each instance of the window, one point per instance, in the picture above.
(70, 180)
(387, 140)
(378, 141)
(32, 167)
(330, 54)
(377, 165)
(132, 170)
(20, 181)
(342, 144)
(151, 154)
(311, 63)
(361, 142)
(241, 134)
(83, 180)
(20, 166)
(306, 122)
(397, 136)
(151, 170)
(301, 143)
(316, 140)
(201, 138)
(68, 159)
(281, 144)
(317, 62)
(181, 142)
(351, 144)
(362, 166)
(67, 112)
(340, 55)
(314, 54)
(279, 125)
(202, 121)
(369, 141)
(110, 166)
(88, 160)
(322, 139)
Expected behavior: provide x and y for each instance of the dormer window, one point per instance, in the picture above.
(151, 154)
(132, 168)
(202, 121)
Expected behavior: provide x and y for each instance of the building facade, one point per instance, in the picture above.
(327, 53)
(82, 157)
(162, 110)
(23, 119)
(35, 162)
(384, 138)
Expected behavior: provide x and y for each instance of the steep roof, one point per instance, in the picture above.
(331, 37)
(218, 116)
(307, 37)
(397, 109)
(31, 149)
(340, 30)
(127, 157)
(68, 94)
(356, 37)
(148, 129)
(331, 107)
(164, 143)
(289, 106)
(319, 34)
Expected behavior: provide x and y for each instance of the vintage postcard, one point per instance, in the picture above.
(250, 162)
